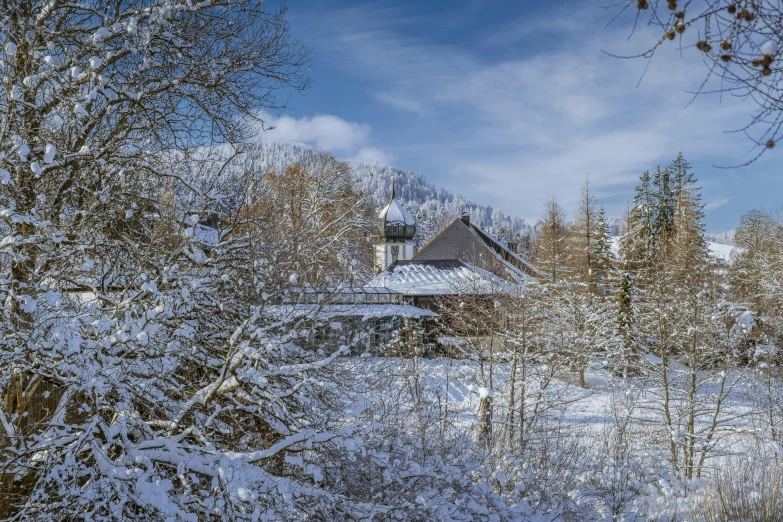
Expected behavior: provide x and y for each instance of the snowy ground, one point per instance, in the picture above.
(603, 452)
(455, 385)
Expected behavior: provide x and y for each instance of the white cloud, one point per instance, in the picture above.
(534, 106)
(325, 132)
(716, 203)
(346, 139)
(515, 130)
(405, 104)
(372, 155)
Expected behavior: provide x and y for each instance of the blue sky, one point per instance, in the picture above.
(510, 102)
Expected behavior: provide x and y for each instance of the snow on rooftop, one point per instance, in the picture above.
(433, 279)
(363, 311)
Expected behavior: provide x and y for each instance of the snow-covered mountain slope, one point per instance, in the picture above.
(433, 207)
(724, 238)
(719, 251)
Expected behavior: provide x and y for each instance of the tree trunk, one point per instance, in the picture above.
(485, 422)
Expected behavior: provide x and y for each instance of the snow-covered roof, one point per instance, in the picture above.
(341, 295)
(510, 259)
(363, 311)
(343, 290)
(395, 222)
(440, 278)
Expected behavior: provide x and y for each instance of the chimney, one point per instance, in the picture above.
(465, 218)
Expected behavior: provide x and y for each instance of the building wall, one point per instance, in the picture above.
(385, 256)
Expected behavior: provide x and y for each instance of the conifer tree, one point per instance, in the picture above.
(601, 254)
(582, 240)
(636, 246)
(664, 200)
(690, 253)
(621, 361)
(551, 248)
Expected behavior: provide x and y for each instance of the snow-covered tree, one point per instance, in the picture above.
(759, 238)
(550, 249)
(582, 240)
(637, 245)
(142, 378)
(579, 327)
(602, 257)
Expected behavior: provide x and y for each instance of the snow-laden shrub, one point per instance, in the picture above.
(744, 489)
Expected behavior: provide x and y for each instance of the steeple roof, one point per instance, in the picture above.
(395, 222)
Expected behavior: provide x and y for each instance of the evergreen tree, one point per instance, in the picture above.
(680, 171)
(621, 361)
(664, 200)
(601, 254)
(636, 246)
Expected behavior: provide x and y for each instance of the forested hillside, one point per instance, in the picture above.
(434, 208)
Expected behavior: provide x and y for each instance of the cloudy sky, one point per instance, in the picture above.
(511, 102)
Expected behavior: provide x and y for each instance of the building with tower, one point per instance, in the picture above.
(411, 285)
(461, 259)
(397, 227)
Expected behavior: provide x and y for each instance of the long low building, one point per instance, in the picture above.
(365, 318)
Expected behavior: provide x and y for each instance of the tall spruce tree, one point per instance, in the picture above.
(664, 199)
(636, 246)
(622, 360)
(601, 254)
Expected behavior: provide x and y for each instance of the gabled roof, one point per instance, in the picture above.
(464, 241)
(506, 254)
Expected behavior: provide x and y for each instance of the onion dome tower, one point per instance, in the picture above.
(397, 228)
